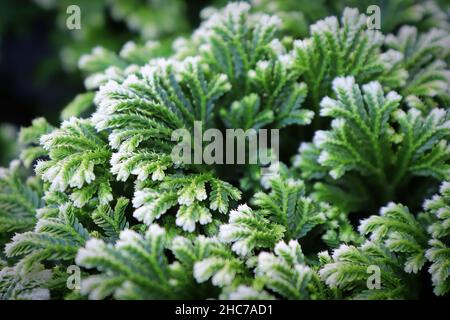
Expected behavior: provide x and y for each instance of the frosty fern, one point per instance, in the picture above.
(369, 113)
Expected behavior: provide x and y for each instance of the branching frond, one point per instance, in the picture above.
(136, 267)
(343, 49)
(78, 162)
(287, 274)
(400, 233)
(363, 139)
(54, 238)
(30, 138)
(351, 268)
(424, 54)
(18, 285)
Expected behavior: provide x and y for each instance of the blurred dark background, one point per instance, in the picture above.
(33, 80)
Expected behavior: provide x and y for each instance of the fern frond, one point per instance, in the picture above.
(343, 49)
(112, 221)
(424, 58)
(439, 252)
(136, 267)
(249, 230)
(287, 274)
(18, 285)
(29, 137)
(363, 140)
(18, 200)
(78, 163)
(54, 238)
(348, 270)
(400, 233)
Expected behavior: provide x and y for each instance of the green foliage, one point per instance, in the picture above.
(348, 270)
(110, 197)
(17, 285)
(78, 156)
(136, 268)
(287, 205)
(54, 238)
(400, 232)
(372, 137)
(112, 221)
(346, 49)
(439, 252)
(287, 274)
(424, 57)
(29, 137)
(248, 230)
(18, 200)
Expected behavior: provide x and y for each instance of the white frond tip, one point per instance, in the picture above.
(363, 224)
(127, 237)
(327, 105)
(241, 247)
(94, 248)
(353, 18)
(375, 37)
(391, 57)
(269, 21)
(88, 57)
(338, 123)
(342, 250)
(155, 231)
(445, 187)
(343, 83)
(127, 48)
(391, 206)
(320, 138)
(302, 44)
(438, 116)
(330, 275)
(372, 88)
(266, 261)
(393, 96)
(236, 9)
(186, 222)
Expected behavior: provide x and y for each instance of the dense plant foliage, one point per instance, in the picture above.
(367, 190)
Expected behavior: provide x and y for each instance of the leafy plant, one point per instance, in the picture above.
(370, 114)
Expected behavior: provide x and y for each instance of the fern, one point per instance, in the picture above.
(18, 200)
(424, 58)
(76, 165)
(348, 271)
(54, 238)
(109, 194)
(17, 285)
(401, 233)
(135, 267)
(344, 49)
(363, 141)
(287, 274)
